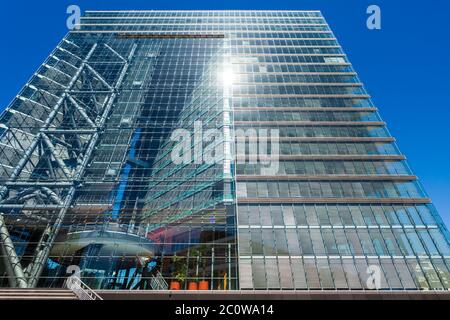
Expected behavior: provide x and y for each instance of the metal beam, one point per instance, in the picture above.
(20, 166)
(115, 52)
(98, 75)
(58, 159)
(40, 207)
(11, 257)
(56, 184)
(9, 271)
(52, 195)
(81, 111)
(74, 131)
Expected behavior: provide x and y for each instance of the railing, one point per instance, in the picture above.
(124, 228)
(158, 283)
(80, 289)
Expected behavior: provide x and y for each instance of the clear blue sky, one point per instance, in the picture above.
(405, 66)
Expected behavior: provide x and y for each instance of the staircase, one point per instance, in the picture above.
(158, 282)
(37, 294)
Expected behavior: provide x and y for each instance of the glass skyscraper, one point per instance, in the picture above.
(120, 157)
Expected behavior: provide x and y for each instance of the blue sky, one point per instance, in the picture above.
(405, 66)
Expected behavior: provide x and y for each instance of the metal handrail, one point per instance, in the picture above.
(80, 289)
(158, 282)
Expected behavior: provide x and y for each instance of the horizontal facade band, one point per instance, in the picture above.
(328, 227)
(321, 157)
(237, 46)
(208, 11)
(288, 63)
(87, 26)
(335, 200)
(296, 39)
(327, 178)
(236, 55)
(230, 22)
(318, 96)
(150, 32)
(314, 46)
(168, 36)
(286, 40)
(301, 109)
(203, 11)
(318, 84)
(302, 73)
(88, 21)
(193, 24)
(214, 24)
(209, 17)
(336, 256)
(311, 123)
(177, 31)
(325, 139)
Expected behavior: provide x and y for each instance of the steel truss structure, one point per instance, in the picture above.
(70, 103)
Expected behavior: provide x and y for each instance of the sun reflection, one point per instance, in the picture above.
(227, 77)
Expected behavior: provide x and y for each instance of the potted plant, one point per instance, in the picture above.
(202, 284)
(193, 285)
(179, 273)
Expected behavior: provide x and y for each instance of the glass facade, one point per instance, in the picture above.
(88, 175)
